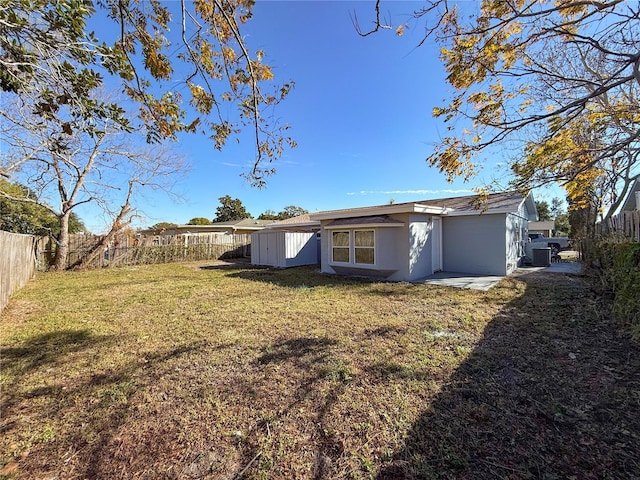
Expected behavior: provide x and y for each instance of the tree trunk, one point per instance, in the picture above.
(62, 243)
(119, 223)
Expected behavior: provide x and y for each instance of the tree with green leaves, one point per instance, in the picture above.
(180, 64)
(268, 215)
(556, 207)
(556, 80)
(230, 209)
(561, 225)
(543, 210)
(291, 211)
(161, 227)
(199, 221)
(30, 218)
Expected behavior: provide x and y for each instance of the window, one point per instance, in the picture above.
(354, 246)
(340, 242)
(364, 246)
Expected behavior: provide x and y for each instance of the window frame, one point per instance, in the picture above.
(341, 247)
(351, 247)
(364, 247)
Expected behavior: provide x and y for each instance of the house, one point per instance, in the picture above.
(411, 241)
(544, 227)
(244, 226)
(632, 201)
(287, 243)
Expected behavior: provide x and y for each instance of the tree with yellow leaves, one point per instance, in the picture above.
(179, 62)
(561, 76)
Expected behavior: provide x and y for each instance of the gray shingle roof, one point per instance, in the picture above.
(469, 204)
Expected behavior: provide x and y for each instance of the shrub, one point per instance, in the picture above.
(626, 286)
(615, 262)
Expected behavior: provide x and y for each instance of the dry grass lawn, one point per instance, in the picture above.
(226, 372)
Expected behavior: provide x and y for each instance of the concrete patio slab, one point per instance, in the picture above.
(462, 280)
(559, 267)
(485, 282)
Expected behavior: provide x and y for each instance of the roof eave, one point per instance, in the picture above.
(364, 225)
(461, 213)
(278, 226)
(379, 210)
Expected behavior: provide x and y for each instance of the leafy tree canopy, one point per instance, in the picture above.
(561, 225)
(268, 215)
(291, 211)
(181, 63)
(556, 207)
(199, 221)
(161, 227)
(543, 210)
(230, 209)
(558, 80)
(28, 217)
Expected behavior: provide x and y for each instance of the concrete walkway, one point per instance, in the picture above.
(574, 268)
(485, 282)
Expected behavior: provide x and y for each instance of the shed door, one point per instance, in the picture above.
(436, 241)
(264, 249)
(274, 253)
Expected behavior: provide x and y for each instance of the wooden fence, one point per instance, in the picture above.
(17, 263)
(626, 223)
(140, 250)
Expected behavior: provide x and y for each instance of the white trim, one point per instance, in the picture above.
(418, 207)
(352, 248)
(342, 247)
(379, 210)
(278, 226)
(360, 226)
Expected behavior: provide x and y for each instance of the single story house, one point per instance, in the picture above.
(411, 241)
(232, 227)
(632, 201)
(287, 243)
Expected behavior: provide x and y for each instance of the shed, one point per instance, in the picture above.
(289, 243)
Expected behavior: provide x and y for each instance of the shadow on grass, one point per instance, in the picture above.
(299, 277)
(96, 405)
(313, 357)
(551, 391)
(232, 264)
(112, 410)
(46, 348)
(41, 352)
(302, 351)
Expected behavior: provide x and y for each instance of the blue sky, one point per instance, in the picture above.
(360, 112)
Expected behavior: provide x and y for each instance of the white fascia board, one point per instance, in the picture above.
(356, 226)
(461, 213)
(379, 210)
(291, 225)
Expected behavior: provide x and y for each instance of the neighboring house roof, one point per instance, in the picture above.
(244, 224)
(247, 224)
(300, 222)
(632, 202)
(506, 202)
